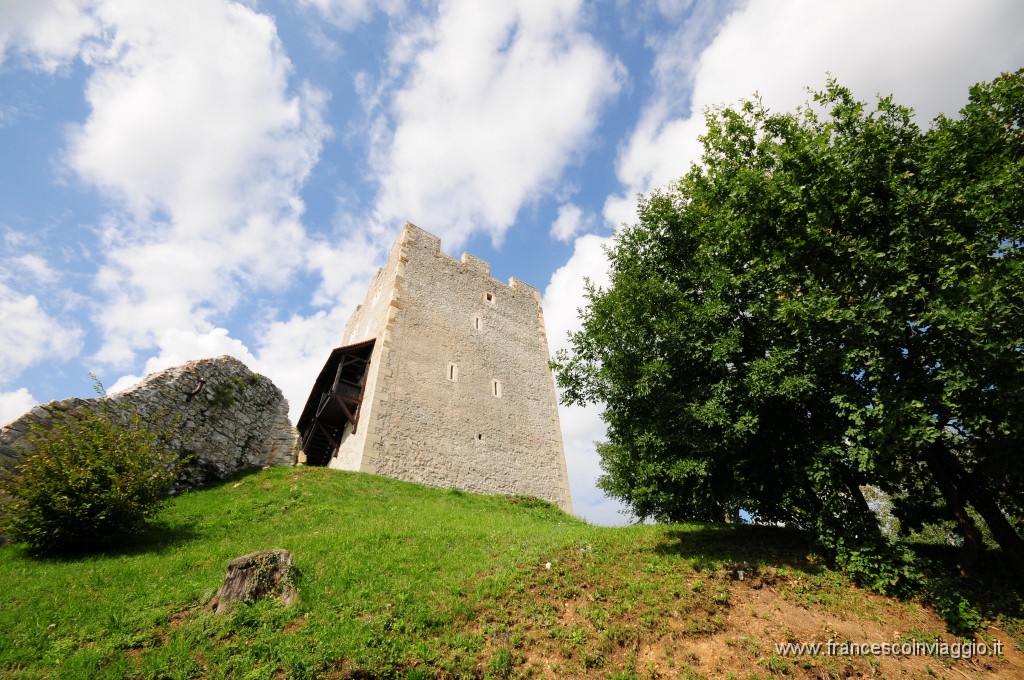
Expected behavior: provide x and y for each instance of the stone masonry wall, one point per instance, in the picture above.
(369, 321)
(462, 393)
(238, 421)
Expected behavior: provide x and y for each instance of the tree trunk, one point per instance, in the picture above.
(852, 485)
(947, 481)
(982, 501)
(1007, 538)
(257, 576)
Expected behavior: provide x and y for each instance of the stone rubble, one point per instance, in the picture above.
(235, 421)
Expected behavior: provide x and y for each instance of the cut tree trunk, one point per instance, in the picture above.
(256, 576)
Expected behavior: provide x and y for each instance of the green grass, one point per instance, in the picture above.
(388, 571)
(398, 580)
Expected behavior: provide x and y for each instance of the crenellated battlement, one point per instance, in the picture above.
(471, 262)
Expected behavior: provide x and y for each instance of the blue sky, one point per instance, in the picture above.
(203, 177)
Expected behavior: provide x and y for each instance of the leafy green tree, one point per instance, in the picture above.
(86, 480)
(832, 299)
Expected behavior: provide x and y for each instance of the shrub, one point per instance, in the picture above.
(86, 480)
(961, 617)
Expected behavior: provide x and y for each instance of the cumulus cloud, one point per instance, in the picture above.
(48, 32)
(35, 311)
(581, 426)
(569, 222)
(28, 334)
(292, 352)
(14, 404)
(361, 250)
(176, 346)
(925, 53)
(195, 131)
(192, 114)
(563, 296)
(493, 111)
(347, 14)
(187, 282)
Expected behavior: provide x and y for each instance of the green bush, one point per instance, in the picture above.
(953, 606)
(86, 480)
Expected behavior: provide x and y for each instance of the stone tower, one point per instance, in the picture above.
(442, 379)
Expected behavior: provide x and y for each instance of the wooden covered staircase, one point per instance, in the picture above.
(334, 403)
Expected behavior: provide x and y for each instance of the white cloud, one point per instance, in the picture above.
(292, 352)
(362, 250)
(15, 404)
(28, 334)
(191, 113)
(564, 293)
(493, 111)
(187, 282)
(581, 426)
(176, 346)
(48, 32)
(36, 267)
(23, 264)
(659, 150)
(570, 221)
(347, 14)
(926, 53)
(195, 131)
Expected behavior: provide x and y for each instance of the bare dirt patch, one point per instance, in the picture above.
(633, 613)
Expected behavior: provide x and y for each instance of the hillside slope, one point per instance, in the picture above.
(399, 580)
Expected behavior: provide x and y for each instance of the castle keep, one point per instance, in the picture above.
(442, 379)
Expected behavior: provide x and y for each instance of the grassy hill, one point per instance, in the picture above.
(399, 580)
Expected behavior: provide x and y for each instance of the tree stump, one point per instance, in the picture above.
(257, 576)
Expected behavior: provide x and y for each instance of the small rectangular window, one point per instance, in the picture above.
(490, 297)
(453, 372)
(495, 388)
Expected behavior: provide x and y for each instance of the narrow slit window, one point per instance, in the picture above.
(495, 388)
(453, 372)
(477, 323)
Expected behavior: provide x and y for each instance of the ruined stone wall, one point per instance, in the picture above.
(463, 395)
(238, 421)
